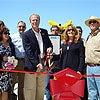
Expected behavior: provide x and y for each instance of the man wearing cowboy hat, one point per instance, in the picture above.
(92, 53)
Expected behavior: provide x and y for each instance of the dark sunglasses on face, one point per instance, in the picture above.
(54, 30)
(21, 26)
(6, 33)
(71, 30)
(93, 21)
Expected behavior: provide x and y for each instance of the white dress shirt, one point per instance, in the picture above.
(40, 42)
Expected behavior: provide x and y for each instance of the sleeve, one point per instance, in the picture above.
(12, 49)
(30, 50)
(82, 57)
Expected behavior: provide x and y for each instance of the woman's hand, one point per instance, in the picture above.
(5, 58)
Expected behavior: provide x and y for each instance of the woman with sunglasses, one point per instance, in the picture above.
(72, 53)
(6, 49)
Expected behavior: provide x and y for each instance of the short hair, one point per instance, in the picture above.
(54, 26)
(34, 15)
(22, 22)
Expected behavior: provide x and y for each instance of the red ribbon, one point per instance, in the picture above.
(67, 85)
(21, 71)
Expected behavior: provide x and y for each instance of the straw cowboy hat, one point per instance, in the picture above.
(92, 18)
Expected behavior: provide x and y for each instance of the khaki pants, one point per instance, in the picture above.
(19, 77)
(34, 86)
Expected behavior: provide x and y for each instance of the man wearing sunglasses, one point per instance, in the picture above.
(92, 53)
(17, 41)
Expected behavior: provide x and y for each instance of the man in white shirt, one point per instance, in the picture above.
(36, 44)
(17, 41)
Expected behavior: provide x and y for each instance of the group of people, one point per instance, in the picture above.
(33, 47)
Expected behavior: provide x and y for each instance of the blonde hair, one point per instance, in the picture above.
(65, 35)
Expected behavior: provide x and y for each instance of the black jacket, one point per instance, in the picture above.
(31, 48)
(73, 56)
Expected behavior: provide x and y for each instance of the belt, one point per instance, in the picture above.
(20, 58)
(93, 64)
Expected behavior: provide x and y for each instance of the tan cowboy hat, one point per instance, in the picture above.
(92, 18)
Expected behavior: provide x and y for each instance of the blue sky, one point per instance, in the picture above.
(59, 11)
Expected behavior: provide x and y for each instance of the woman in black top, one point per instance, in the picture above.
(73, 52)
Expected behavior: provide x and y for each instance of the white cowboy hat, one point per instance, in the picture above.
(92, 18)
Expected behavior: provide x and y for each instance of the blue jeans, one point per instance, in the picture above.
(93, 83)
(48, 96)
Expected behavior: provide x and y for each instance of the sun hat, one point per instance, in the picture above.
(92, 18)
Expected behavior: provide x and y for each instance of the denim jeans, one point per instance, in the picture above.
(48, 96)
(93, 82)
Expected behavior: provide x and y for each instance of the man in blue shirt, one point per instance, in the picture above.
(17, 41)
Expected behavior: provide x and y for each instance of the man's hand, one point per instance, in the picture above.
(49, 50)
(40, 66)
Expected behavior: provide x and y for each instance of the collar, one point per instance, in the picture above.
(95, 33)
(36, 32)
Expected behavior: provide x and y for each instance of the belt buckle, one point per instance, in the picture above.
(91, 65)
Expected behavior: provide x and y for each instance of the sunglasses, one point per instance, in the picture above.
(21, 26)
(93, 21)
(54, 30)
(71, 30)
(6, 33)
